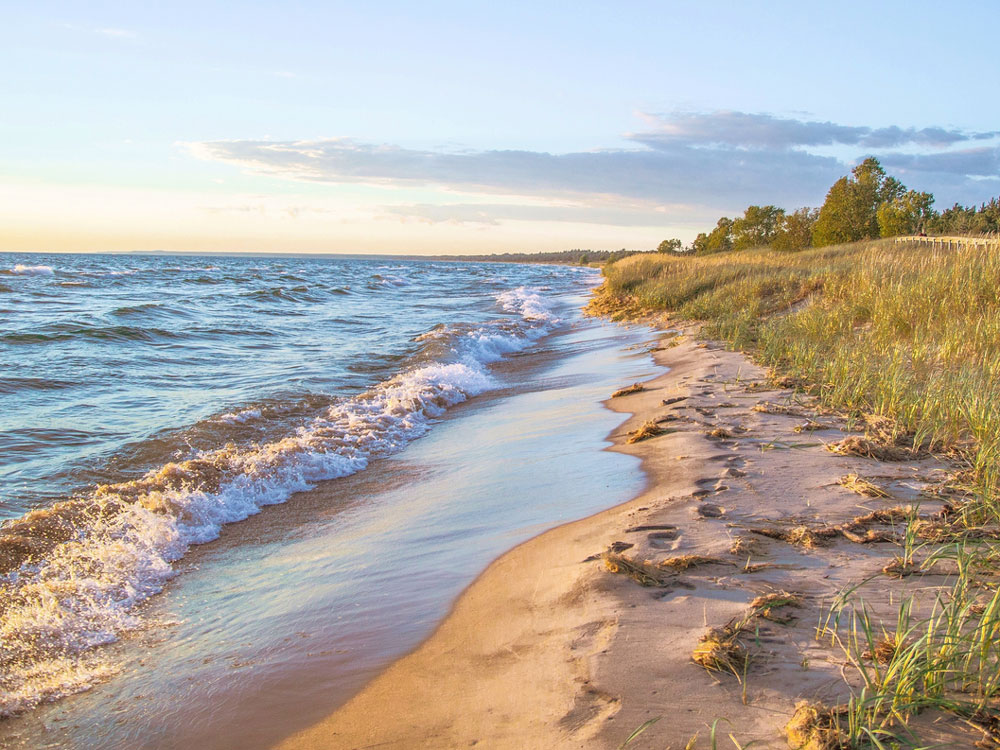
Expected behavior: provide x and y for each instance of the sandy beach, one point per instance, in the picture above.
(745, 506)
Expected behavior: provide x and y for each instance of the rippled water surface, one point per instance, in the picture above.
(150, 402)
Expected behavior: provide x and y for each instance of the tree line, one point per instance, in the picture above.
(864, 205)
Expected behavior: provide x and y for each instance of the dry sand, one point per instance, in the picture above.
(549, 649)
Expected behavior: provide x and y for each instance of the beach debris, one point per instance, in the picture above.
(855, 445)
(634, 388)
(720, 433)
(900, 568)
(648, 430)
(642, 572)
(674, 400)
(669, 418)
(765, 606)
(720, 650)
(886, 649)
(769, 407)
(799, 536)
(811, 425)
(683, 562)
(620, 546)
(862, 486)
(869, 536)
(814, 727)
(857, 531)
(884, 515)
(750, 567)
(787, 381)
(745, 545)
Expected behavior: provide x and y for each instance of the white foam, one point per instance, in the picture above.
(396, 281)
(22, 270)
(239, 417)
(527, 303)
(84, 592)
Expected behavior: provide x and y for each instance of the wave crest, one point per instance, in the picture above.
(71, 575)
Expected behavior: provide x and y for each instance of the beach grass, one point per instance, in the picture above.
(905, 341)
(874, 328)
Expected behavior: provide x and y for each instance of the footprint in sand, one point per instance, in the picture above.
(662, 539)
(709, 510)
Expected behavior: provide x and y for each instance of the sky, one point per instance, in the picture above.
(469, 127)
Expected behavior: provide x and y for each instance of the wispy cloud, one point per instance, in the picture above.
(764, 131)
(706, 162)
(681, 175)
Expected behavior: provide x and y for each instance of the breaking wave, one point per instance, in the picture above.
(22, 270)
(71, 575)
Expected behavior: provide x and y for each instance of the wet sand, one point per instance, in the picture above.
(550, 649)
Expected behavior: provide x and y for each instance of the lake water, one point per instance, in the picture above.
(219, 521)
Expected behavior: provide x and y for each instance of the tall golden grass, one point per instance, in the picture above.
(873, 328)
(911, 335)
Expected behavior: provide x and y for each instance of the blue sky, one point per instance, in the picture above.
(453, 127)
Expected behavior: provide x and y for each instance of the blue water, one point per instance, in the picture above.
(112, 364)
(150, 401)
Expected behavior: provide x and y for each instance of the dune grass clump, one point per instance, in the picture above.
(767, 407)
(767, 606)
(799, 536)
(814, 727)
(724, 649)
(745, 545)
(679, 563)
(648, 430)
(642, 572)
(855, 445)
(862, 486)
(719, 433)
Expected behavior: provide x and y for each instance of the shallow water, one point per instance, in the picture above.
(289, 612)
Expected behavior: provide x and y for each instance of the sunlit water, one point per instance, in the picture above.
(150, 403)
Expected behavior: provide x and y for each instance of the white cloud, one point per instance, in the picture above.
(682, 165)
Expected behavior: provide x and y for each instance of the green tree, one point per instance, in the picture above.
(850, 212)
(907, 214)
(718, 240)
(757, 227)
(796, 230)
(670, 246)
(961, 220)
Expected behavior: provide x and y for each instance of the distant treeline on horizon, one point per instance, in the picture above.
(865, 205)
(557, 256)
